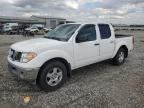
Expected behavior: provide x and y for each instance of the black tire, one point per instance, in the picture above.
(42, 78)
(116, 60)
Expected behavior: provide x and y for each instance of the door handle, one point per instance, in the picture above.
(96, 44)
(111, 41)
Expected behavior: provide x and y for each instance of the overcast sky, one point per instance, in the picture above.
(115, 11)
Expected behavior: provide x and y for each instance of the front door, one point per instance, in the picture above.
(86, 49)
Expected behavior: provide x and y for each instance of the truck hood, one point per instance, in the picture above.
(36, 45)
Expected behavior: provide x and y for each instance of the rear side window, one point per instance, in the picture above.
(105, 31)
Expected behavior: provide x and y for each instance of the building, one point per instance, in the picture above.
(21, 20)
(50, 22)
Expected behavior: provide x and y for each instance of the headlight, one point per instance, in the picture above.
(26, 57)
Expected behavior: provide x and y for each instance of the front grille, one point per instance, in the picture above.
(14, 55)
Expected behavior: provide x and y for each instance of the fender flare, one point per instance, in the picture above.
(119, 45)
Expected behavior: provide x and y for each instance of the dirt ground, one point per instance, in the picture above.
(100, 85)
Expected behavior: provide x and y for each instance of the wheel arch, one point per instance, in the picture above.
(64, 61)
(121, 45)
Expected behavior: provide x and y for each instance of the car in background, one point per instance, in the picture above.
(32, 29)
(7, 29)
(39, 26)
(10, 28)
(46, 30)
(11, 24)
(15, 30)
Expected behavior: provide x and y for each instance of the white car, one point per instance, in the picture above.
(47, 29)
(49, 60)
(32, 29)
(7, 29)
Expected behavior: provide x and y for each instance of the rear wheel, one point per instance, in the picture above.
(119, 59)
(52, 76)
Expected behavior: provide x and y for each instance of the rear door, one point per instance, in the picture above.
(107, 41)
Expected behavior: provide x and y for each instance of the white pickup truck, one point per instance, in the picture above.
(49, 60)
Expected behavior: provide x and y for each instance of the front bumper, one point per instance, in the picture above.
(24, 74)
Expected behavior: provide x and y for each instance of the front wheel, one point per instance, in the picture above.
(52, 76)
(119, 59)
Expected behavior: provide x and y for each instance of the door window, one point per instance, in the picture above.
(88, 32)
(105, 31)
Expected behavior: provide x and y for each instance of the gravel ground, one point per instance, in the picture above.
(99, 85)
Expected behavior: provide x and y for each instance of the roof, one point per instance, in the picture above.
(88, 23)
(15, 18)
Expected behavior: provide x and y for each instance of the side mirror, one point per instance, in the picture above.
(80, 38)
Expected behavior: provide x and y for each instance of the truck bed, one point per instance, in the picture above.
(128, 39)
(122, 35)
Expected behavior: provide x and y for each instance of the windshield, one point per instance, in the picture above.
(62, 32)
